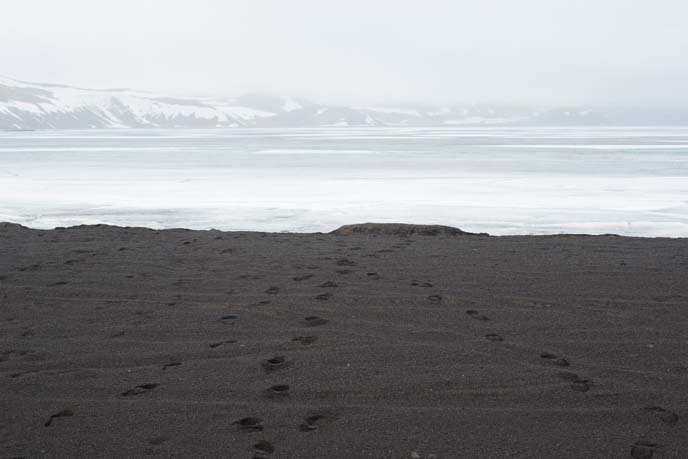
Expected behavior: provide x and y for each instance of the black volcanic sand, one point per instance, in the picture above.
(129, 342)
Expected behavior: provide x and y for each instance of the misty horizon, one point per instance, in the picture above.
(25, 105)
(383, 103)
(438, 53)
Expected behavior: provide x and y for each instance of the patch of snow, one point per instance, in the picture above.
(245, 113)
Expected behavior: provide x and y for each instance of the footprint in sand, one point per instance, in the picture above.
(581, 385)
(220, 343)
(59, 414)
(57, 284)
(313, 321)
(140, 389)
(643, 449)
(415, 283)
(305, 340)
(262, 449)
(277, 391)
(345, 262)
(272, 290)
(577, 384)
(435, 299)
(560, 362)
(323, 296)
(304, 277)
(666, 416)
(310, 423)
(279, 362)
(494, 337)
(328, 284)
(476, 315)
(249, 424)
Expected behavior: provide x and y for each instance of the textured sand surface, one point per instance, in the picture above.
(129, 342)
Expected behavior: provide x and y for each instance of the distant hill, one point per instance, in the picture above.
(50, 106)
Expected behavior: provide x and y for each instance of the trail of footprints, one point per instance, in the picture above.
(641, 449)
(263, 449)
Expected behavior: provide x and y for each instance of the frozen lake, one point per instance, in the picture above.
(629, 181)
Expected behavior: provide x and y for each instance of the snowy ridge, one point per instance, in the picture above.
(25, 105)
(41, 106)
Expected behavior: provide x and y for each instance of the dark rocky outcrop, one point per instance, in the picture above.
(401, 229)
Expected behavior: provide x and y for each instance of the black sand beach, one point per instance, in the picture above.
(131, 342)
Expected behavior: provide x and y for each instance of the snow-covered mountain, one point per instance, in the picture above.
(26, 105)
(43, 106)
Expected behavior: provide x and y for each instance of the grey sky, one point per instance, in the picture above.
(627, 52)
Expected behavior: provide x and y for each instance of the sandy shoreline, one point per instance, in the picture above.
(129, 342)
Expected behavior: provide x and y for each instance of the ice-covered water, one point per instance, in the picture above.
(631, 181)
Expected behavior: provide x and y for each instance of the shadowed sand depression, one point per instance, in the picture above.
(130, 342)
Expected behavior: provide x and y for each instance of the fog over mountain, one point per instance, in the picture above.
(51, 106)
(544, 53)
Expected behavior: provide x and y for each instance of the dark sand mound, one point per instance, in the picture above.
(131, 342)
(6, 228)
(400, 229)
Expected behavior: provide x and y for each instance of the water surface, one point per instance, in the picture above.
(630, 181)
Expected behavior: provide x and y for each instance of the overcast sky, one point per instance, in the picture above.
(622, 52)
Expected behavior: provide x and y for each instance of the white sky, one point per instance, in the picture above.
(623, 52)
